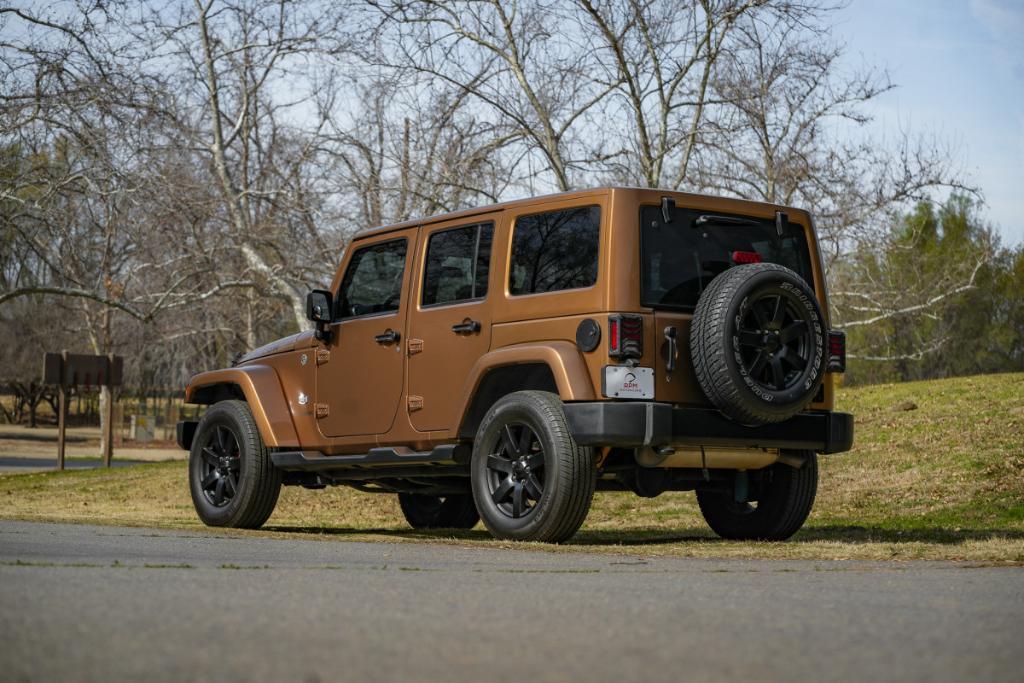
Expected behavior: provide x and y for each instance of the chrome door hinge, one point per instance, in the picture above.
(322, 356)
(415, 346)
(322, 410)
(415, 403)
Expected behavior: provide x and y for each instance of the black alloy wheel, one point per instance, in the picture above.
(439, 512)
(757, 342)
(221, 466)
(775, 339)
(531, 481)
(231, 478)
(515, 473)
(785, 497)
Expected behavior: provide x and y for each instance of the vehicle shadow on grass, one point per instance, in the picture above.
(640, 536)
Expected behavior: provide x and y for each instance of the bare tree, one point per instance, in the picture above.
(508, 58)
(792, 133)
(239, 69)
(659, 57)
(404, 151)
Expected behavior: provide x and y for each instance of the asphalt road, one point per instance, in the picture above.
(106, 603)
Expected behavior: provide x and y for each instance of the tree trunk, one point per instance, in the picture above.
(105, 398)
(33, 405)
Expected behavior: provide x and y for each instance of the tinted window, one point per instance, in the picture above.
(680, 258)
(555, 250)
(458, 262)
(373, 280)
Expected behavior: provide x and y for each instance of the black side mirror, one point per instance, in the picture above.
(318, 310)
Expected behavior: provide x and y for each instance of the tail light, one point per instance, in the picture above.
(837, 351)
(625, 336)
(741, 257)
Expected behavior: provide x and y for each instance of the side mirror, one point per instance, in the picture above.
(318, 310)
(318, 306)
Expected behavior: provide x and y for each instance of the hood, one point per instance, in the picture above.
(299, 340)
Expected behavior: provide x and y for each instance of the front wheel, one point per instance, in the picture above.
(438, 512)
(232, 481)
(531, 480)
(783, 503)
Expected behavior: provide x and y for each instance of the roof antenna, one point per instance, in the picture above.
(668, 205)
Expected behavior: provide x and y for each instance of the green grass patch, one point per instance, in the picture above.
(944, 480)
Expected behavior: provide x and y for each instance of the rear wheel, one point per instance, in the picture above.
(531, 480)
(438, 512)
(783, 503)
(232, 481)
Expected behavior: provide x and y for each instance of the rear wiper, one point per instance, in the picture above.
(708, 218)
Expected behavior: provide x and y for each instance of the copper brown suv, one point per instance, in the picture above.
(505, 363)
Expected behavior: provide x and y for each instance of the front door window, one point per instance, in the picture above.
(373, 281)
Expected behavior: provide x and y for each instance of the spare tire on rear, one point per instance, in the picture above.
(758, 343)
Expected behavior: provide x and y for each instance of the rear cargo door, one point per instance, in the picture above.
(681, 257)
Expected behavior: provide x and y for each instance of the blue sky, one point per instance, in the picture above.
(960, 70)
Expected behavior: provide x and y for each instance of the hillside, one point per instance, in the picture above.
(937, 471)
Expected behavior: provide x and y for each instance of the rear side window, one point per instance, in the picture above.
(373, 280)
(679, 259)
(555, 250)
(457, 266)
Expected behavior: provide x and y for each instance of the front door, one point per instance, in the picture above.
(450, 323)
(359, 382)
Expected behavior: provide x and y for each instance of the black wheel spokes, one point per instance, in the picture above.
(220, 467)
(774, 340)
(516, 471)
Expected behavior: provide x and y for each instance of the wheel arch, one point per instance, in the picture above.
(557, 367)
(257, 385)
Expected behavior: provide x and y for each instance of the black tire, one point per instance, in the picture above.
(757, 342)
(438, 512)
(232, 480)
(785, 500)
(545, 470)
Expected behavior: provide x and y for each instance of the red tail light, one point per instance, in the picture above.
(741, 257)
(625, 336)
(836, 351)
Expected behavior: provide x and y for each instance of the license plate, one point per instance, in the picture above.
(625, 382)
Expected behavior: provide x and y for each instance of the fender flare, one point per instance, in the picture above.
(261, 388)
(572, 378)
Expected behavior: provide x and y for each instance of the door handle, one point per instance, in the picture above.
(466, 327)
(389, 337)
(673, 348)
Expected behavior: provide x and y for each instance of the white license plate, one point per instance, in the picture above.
(624, 382)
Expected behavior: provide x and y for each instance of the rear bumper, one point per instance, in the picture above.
(646, 423)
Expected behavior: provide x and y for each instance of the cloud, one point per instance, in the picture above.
(1003, 18)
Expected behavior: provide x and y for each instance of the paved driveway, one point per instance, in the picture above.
(105, 603)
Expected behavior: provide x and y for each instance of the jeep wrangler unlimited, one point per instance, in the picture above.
(505, 363)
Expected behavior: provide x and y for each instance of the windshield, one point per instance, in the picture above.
(679, 259)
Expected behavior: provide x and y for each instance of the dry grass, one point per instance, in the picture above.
(942, 481)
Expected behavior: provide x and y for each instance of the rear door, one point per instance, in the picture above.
(450, 320)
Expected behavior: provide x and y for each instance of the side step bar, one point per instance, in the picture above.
(315, 461)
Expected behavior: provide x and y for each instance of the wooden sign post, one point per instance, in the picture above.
(71, 369)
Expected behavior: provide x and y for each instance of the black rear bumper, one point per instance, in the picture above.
(642, 423)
